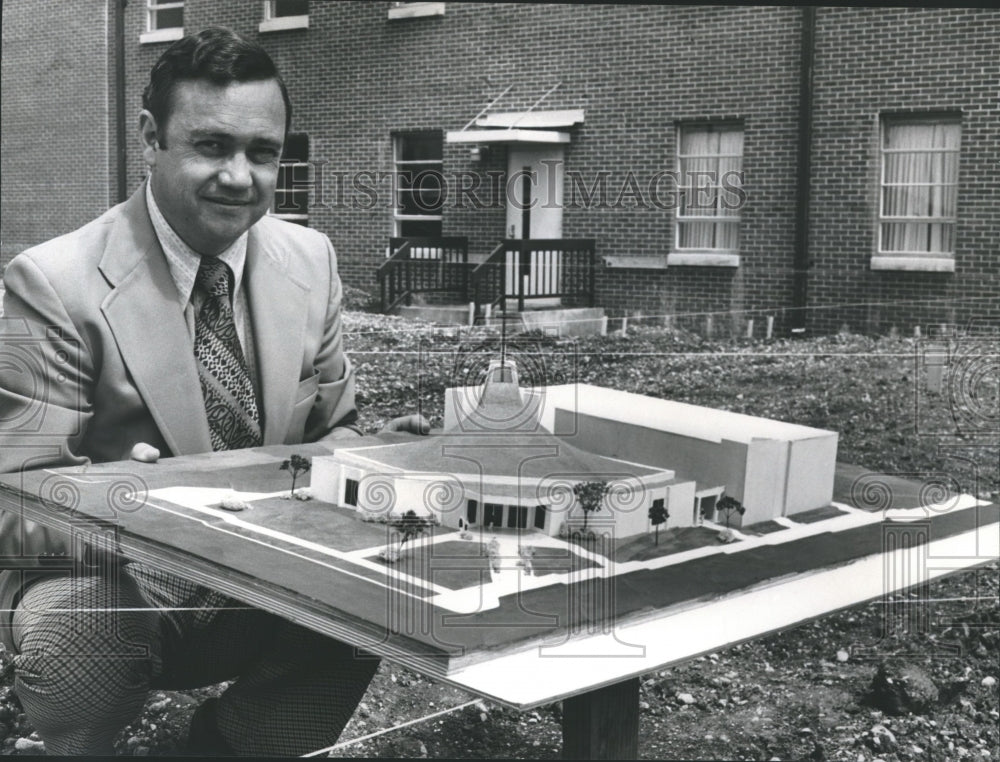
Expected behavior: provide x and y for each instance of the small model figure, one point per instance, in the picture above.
(494, 552)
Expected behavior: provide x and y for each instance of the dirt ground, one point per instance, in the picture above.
(807, 693)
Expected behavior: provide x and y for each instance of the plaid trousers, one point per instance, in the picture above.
(91, 647)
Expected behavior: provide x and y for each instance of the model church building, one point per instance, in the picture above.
(509, 458)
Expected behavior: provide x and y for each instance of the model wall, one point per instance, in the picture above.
(710, 464)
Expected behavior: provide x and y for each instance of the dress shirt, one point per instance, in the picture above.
(183, 262)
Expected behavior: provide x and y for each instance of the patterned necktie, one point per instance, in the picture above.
(230, 403)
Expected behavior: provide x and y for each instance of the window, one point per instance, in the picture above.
(280, 15)
(540, 517)
(493, 515)
(291, 196)
(470, 512)
(919, 188)
(164, 21)
(522, 517)
(351, 492)
(402, 10)
(710, 180)
(517, 517)
(418, 183)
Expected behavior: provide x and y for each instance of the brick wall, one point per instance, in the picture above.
(56, 141)
(357, 77)
(874, 60)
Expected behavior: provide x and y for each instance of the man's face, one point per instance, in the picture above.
(216, 175)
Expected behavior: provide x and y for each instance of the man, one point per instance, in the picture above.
(182, 321)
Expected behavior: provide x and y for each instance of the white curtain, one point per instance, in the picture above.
(706, 158)
(919, 181)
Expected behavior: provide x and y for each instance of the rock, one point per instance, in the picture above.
(843, 655)
(685, 698)
(27, 746)
(726, 535)
(921, 692)
(405, 747)
(909, 690)
(364, 710)
(882, 739)
(989, 681)
(159, 706)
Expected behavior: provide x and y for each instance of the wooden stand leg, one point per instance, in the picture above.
(603, 724)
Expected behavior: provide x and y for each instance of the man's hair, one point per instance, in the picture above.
(217, 55)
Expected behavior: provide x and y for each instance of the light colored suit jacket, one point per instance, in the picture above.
(96, 354)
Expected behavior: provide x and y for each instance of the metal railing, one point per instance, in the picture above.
(423, 265)
(534, 269)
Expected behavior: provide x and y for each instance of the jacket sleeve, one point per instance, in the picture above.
(44, 406)
(334, 407)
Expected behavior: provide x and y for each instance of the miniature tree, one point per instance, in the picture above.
(590, 495)
(730, 505)
(658, 514)
(410, 525)
(297, 465)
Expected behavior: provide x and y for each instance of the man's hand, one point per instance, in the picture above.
(412, 424)
(145, 453)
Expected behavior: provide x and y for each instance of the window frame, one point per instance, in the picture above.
(154, 33)
(272, 22)
(352, 489)
(398, 218)
(294, 187)
(705, 256)
(884, 258)
(412, 10)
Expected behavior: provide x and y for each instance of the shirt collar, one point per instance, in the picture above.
(182, 260)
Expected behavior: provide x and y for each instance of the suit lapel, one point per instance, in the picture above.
(278, 309)
(144, 313)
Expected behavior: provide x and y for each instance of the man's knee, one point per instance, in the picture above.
(86, 652)
(85, 616)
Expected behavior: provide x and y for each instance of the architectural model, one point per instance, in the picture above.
(508, 458)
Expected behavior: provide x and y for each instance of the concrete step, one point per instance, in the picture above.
(442, 314)
(556, 321)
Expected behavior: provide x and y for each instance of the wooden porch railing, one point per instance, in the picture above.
(423, 265)
(536, 268)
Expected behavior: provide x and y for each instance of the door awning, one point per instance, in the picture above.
(506, 136)
(520, 127)
(546, 120)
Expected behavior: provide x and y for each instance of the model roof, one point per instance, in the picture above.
(498, 439)
(675, 417)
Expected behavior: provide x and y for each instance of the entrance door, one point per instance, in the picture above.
(534, 210)
(534, 190)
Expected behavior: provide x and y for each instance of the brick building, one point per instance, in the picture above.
(821, 166)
